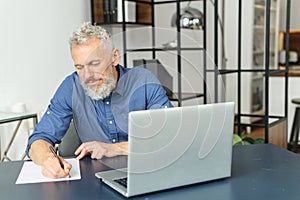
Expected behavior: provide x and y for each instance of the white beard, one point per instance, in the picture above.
(103, 91)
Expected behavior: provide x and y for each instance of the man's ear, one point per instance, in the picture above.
(116, 57)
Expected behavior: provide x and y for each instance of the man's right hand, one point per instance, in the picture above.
(52, 169)
(40, 154)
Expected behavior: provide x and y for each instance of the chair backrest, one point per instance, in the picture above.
(69, 143)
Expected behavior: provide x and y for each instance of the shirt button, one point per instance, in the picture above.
(114, 140)
(107, 102)
(110, 122)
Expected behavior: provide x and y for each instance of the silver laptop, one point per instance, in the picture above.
(175, 147)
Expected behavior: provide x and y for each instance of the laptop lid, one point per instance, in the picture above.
(178, 146)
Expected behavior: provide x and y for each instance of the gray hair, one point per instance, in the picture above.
(88, 31)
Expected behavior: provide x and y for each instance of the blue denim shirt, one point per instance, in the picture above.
(99, 120)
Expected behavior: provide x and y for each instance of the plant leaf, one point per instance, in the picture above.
(236, 139)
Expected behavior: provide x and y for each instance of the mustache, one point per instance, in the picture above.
(92, 79)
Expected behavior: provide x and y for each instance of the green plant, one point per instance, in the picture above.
(246, 140)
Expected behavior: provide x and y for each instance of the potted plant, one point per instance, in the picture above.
(245, 140)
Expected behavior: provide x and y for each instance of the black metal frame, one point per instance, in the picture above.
(180, 97)
(266, 71)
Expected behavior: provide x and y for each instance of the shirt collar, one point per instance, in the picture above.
(121, 71)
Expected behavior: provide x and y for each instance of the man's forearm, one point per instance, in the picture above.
(39, 151)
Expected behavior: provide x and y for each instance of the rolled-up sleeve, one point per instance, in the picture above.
(56, 119)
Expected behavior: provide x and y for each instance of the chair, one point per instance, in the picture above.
(294, 138)
(69, 143)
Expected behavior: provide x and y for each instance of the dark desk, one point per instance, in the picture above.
(258, 172)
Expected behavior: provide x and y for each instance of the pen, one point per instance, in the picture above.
(60, 162)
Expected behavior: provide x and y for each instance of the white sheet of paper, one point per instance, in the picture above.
(31, 173)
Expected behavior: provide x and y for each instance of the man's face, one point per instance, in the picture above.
(93, 64)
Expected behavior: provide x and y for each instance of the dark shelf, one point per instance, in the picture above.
(141, 1)
(120, 24)
(185, 96)
(276, 120)
(275, 72)
(165, 49)
(270, 72)
(173, 1)
(223, 71)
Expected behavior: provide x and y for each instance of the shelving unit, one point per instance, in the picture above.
(264, 45)
(253, 55)
(149, 7)
(267, 10)
(261, 70)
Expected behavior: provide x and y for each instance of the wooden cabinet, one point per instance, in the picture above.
(277, 134)
(113, 11)
(294, 46)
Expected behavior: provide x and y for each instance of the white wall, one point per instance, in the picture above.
(295, 15)
(34, 55)
(34, 48)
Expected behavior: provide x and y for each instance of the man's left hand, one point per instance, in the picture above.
(99, 149)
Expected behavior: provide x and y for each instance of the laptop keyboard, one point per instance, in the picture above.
(122, 181)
